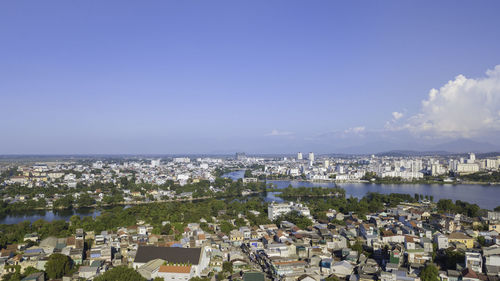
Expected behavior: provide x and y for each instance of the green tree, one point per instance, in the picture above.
(295, 218)
(430, 273)
(14, 276)
(227, 266)
(481, 240)
(226, 227)
(166, 229)
(30, 270)
(450, 258)
(239, 222)
(65, 202)
(248, 173)
(445, 205)
(58, 265)
(158, 279)
(358, 247)
(85, 200)
(199, 279)
(332, 278)
(121, 273)
(497, 209)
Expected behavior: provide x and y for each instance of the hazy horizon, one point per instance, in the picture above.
(218, 77)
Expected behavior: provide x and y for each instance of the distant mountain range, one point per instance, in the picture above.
(385, 148)
(409, 153)
(465, 145)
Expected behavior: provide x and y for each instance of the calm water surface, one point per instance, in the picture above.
(235, 175)
(486, 196)
(48, 215)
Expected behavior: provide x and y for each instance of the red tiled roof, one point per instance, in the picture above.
(469, 273)
(175, 268)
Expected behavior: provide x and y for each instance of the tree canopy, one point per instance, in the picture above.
(58, 265)
(295, 218)
(430, 273)
(120, 273)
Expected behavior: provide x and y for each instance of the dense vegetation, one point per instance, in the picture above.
(459, 207)
(121, 273)
(372, 177)
(429, 273)
(114, 194)
(295, 218)
(449, 258)
(17, 275)
(58, 265)
(290, 191)
(179, 214)
(482, 177)
(224, 208)
(370, 203)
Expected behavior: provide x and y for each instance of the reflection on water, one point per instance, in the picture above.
(486, 196)
(35, 215)
(234, 175)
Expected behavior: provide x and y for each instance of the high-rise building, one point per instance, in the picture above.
(241, 156)
(491, 163)
(472, 158)
(311, 156)
(299, 156)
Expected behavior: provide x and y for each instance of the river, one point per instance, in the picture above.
(48, 215)
(486, 196)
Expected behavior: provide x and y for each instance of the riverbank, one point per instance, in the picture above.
(486, 196)
(387, 182)
(133, 203)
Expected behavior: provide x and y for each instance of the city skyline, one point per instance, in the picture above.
(221, 77)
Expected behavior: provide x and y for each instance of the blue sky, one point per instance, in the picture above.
(255, 76)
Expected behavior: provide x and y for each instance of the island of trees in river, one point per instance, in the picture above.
(225, 209)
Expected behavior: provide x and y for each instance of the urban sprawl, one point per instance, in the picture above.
(188, 218)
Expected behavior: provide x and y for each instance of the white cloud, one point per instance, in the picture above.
(355, 130)
(279, 133)
(463, 107)
(397, 115)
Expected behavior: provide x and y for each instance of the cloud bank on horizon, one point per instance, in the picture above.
(462, 108)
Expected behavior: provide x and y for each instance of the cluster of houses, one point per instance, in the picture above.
(184, 169)
(394, 245)
(154, 172)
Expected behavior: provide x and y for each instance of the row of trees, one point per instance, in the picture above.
(459, 207)
(290, 191)
(114, 194)
(370, 203)
(421, 197)
(122, 273)
(178, 213)
(482, 177)
(224, 209)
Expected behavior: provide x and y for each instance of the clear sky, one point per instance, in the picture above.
(257, 76)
